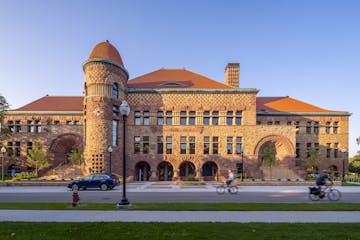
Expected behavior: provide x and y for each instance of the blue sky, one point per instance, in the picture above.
(305, 49)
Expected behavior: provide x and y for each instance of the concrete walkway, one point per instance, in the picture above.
(179, 216)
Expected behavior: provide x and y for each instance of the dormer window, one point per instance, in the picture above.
(171, 84)
(115, 91)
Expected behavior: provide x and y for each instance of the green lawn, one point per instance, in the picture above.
(174, 231)
(318, 206)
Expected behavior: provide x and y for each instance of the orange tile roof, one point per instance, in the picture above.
(174, 78)
(55, 103)
(107, 51)
(285, 104)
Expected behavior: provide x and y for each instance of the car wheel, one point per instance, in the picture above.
(103, 187)
(75, 187)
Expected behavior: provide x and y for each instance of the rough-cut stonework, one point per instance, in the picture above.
(287, 132)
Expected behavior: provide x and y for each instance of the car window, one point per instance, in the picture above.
(88, 178)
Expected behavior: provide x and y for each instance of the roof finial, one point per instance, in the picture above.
(107, 41)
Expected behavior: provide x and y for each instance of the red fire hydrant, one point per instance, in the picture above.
(76, 198)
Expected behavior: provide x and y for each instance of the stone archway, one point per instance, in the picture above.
(142, 171)
(61, 146)
(284, 153)
(209, 171)
(165, 171)
(187, 169)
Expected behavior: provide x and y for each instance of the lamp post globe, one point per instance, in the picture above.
(125, 111)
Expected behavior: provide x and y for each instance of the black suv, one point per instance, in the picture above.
(104, 181)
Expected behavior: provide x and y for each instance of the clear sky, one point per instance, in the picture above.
(306, 49)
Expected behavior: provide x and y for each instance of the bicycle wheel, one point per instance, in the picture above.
(314, 197)
(220, 189)
(334, 195)
(233, 190)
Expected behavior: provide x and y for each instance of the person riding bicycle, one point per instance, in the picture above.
(230, 178)
(323, 181)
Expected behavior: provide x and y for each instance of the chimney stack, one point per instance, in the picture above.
(232, 75)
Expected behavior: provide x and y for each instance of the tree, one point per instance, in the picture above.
(75, 156)
(37, 158)
(313, 160)
(4, 106)
(268, 158)
(354, 165)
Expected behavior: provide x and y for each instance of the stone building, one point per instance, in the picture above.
(181, 125)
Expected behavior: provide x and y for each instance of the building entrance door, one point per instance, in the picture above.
(143, 171)
(165, 171)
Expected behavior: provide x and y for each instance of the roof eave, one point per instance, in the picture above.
(193, 90)
(334, 113)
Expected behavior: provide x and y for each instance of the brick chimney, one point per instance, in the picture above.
(232, 75)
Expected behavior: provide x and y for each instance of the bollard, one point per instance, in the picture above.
(76, 198)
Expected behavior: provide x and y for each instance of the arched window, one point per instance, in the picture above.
(115, 90)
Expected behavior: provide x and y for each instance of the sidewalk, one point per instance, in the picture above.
(179, 216)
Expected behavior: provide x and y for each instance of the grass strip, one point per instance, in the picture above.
(174, 231)
(191, 206)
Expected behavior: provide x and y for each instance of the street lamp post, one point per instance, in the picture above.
(124, 110)
(3, 150)
(110, 150)
(343, 150)
(242, 163)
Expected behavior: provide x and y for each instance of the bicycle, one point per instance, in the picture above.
(316, 193)
(221, 189)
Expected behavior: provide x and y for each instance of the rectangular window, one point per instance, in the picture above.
(215, 145)
(336, 150)
(308, 127)
(229, 118)
(11, 126)
(206, 119)
(31, 126)
(335, 127)
(114, 132)
(277, 122)
(146, 118)
(316, 146)
(116, 111)
(160, 145)
(308, 147)
(269, 123)
(239, 145)
(316, 127)
(137, 118)
(18, 126)
(160, 118)
(168, 145)
(183, 118)
(258, 122)
(169, 118)
(327, 127)
(206, 145)
(328, 150)
(29, 146)
(215, 118)
(297, 126)
(137, 141)
(146, 144)
(297, 150)
(192, 145)
(192, 118)
(229, 145)
(182, 145)
(238, 116)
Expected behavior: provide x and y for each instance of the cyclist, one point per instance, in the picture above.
(323, 181)
(230, 178)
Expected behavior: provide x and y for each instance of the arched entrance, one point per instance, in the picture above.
(62, 146)
(209, 171)
(187, 169)
(143, 171)
(165, 171)
(276, 156)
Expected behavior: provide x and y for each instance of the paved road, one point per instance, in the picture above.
(168, 192)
